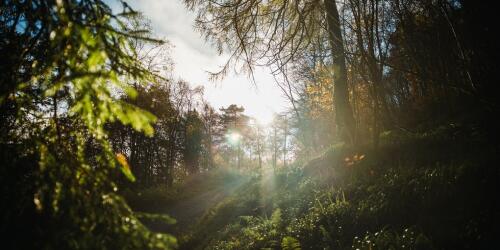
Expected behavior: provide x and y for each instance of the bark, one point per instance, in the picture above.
(275, 155)
(284, 143)
(343, 113)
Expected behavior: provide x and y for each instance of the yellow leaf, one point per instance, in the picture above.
(125, 168)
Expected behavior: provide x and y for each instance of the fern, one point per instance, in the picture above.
(290, 243)
(276, 218)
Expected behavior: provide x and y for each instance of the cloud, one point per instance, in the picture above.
(193, 57)
(170, 18)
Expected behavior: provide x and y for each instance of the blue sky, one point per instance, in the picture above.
(193, 57)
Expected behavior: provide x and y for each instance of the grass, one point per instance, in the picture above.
(427, 190)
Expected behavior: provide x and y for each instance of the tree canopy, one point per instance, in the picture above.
(388, 140)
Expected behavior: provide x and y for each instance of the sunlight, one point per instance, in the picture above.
(264, 119)
(233, 137)
(224, 124)
(267, 186)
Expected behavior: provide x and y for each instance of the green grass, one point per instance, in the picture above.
(426, 190)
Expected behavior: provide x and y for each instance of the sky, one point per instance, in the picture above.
(193, 57)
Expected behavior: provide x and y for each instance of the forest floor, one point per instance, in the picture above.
(189, 210)
(189, 201)
(431, 190)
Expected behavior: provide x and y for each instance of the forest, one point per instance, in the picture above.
(388, 139)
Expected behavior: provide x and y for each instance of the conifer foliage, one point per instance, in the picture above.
(64, 63)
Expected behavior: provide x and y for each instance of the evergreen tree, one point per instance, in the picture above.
(62, 63)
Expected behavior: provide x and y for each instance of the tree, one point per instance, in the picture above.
(63, 63)
(148, 155)
(259, 142)
(193, 142)
(212, 131)
(344, 116)
(234, 127)
(275, 33)
(369, 31)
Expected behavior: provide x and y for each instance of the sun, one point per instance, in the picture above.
(233, 137)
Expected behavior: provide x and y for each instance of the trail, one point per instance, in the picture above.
(195, 198)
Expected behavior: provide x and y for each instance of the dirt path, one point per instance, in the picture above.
(196, 197)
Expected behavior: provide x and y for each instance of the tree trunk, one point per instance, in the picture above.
(275, 155)
(259, 148)
(284, 143)
(343, 113)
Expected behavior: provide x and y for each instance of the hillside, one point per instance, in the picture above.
(425, 190)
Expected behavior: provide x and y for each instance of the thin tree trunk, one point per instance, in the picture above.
(284, 143)
(275, 155)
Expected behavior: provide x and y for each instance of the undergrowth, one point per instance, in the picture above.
(432, 190)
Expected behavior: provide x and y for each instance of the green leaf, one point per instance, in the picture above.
(290, 243)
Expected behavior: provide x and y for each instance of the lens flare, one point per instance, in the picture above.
(233, 137)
